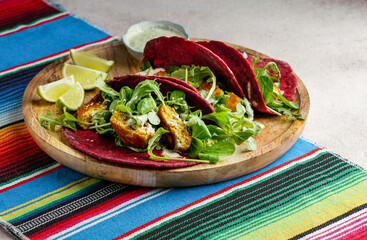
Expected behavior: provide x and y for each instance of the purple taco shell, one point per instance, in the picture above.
(163, 52)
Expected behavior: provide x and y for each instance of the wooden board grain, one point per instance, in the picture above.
(275, 139)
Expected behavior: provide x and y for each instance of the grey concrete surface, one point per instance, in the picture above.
(324, 41)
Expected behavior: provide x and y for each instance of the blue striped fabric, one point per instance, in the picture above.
(129, 219)
(50, 38)
(55, 202)
(33, 44)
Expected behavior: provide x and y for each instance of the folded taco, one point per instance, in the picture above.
(269, 84)
(163, 52)
(287, 80)
(260, 80)
(156, 122)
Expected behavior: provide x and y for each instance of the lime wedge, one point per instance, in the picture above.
(90, 61)
(85, 76)
(72, 98)
(52, 91)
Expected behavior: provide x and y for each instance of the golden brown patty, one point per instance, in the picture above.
(131, 134)
(178, 137)
(85, 112)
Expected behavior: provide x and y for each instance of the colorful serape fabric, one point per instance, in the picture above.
(308, 193)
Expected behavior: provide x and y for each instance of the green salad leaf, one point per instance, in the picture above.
(101, 84)
(145, 65)
(275, 102)
(65, 120)
(194, 75)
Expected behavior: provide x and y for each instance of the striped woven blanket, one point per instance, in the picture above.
(308, 193)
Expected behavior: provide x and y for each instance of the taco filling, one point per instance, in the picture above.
(160, 120)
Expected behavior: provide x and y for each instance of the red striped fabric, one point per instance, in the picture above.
(24, 27)
(16, 12)
(90, 213)
(19, 155)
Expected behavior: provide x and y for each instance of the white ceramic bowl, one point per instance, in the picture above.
(138, 34)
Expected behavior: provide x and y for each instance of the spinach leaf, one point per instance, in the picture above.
(220, 149)
(250, 144)
(177, 96)
(145, 65)
(198, 127)
(196, 147)
(241, 136)
(266, 86)
(145, 105)
(209, 157)
(218, 134)
(220, 118)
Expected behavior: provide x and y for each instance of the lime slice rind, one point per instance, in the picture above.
(53, 90)
(85, 76)
(90, 61)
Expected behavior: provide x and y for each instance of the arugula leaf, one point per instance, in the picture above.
(165, 158)
(64, 120)
(292, 105)
(48, 122)
(266, 82)
(99, 83)
(143, 89)
(194, 75)
(156, 137)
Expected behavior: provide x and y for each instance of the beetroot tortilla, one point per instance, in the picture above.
(163, 51)
(288, 81)
(103, 147)
(243, 72)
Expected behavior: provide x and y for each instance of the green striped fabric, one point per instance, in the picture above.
(284, 203)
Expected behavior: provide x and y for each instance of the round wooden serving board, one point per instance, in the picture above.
(275, 139)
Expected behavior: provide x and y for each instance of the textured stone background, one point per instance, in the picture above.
(324, 41)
